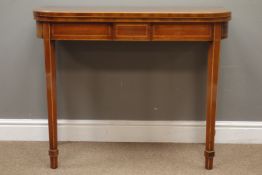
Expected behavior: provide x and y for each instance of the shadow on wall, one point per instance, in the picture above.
(132, 80)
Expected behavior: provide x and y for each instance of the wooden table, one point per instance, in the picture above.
(107, 24)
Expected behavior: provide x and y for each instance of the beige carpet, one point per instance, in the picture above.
(84, 158)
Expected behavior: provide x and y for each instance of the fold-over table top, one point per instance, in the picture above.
(188, 14)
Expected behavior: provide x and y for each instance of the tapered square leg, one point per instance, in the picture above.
(50, 68)
(213, 64)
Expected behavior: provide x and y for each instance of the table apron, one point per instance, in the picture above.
(132, 31)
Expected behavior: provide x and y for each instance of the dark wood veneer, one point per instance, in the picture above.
(171, 24)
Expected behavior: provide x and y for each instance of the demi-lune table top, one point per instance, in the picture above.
(191, 14)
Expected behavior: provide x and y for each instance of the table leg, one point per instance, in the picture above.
(213, 64)
(50, 68)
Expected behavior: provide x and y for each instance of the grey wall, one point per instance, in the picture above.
(138, 80)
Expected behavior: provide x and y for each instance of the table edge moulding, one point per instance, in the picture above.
(132, 24)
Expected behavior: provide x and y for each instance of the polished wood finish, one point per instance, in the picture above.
(131, 31)
(81, 31)
(50, 68)
(173, 24)
(129, 14)
(213, 62)
(182, 32)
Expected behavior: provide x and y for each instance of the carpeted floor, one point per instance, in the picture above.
(84, 158)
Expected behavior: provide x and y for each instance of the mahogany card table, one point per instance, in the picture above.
(132, 24)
